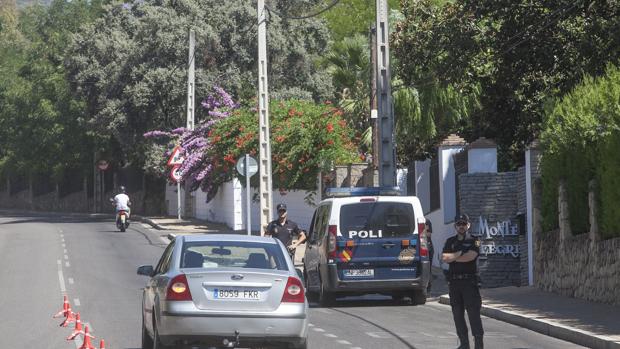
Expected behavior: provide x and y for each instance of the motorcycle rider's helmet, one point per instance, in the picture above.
(122, 189)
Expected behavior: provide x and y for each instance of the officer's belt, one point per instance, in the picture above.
(462, 276)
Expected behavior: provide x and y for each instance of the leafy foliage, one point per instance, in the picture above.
(305, 138)
(130, 65)
(581, 135)
(520, 53)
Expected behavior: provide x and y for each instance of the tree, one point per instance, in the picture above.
(352, 17)
(130, 65)
(520, 54)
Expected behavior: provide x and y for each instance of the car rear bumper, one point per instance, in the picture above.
(288, 324)
(379, 286)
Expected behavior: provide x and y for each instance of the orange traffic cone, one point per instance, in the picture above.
(102, 344)
(78, 328)
(87, 336)
(65, 306)
(69, 319)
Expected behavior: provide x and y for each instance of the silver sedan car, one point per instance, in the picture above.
(224, 291)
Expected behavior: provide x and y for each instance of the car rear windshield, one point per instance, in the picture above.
(377, 219)
(232, 254)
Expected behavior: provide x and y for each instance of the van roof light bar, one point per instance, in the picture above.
(362, 191)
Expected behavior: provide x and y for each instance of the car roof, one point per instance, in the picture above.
(227, 237)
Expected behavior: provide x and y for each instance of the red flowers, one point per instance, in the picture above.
(330, 127)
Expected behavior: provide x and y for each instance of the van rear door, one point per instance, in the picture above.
(377, 240)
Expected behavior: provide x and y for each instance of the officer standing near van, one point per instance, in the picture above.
(461, 253)
(285, 229)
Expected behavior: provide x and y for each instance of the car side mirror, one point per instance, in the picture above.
(146, 270)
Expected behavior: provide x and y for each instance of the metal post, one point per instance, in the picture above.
(266, 187)
(373, 102)
(179, 200)
(247, 194)
(190, 81)
(387, 160)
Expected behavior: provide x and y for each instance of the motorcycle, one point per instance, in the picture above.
(122, 220)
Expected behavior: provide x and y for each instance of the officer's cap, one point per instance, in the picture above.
(281, 207)
(461, 218)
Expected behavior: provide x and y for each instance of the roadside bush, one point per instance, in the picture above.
(582, 141)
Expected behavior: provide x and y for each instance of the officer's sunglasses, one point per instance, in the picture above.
(461, 224)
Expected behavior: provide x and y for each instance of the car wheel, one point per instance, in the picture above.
(418, 297)
(147, 341)
(326, 299)
(397, 297)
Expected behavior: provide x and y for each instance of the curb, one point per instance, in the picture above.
(547, 328)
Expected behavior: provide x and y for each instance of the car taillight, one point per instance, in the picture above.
(178, 289)
(422, 237)
(294, 291)
(332, 231)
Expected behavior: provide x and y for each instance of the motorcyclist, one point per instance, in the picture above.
(121, 202)
(285, 229)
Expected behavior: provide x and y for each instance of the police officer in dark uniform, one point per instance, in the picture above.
(285, 229)
(461, 253)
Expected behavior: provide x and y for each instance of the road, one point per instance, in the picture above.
(44, 257)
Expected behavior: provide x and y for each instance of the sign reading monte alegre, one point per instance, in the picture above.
(501, 238)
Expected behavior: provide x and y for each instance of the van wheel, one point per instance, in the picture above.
(311, 295)
(147, 341)
(398, 297)
(418, 297)
(326, 299)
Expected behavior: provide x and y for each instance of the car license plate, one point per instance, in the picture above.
(359, 272)
(252, 295)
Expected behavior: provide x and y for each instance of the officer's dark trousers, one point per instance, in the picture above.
(465, 295)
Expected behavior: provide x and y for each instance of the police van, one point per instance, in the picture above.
(367, 240)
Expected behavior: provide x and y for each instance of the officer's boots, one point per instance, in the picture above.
(464, 342)
(478, 343)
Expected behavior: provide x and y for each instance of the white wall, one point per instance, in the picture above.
(423, 184)
(229, 204)
(171, 199)
(482, 160)
(441, 232)
(447, 183)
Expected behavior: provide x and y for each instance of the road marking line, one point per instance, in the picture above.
(356, 348)
(70, 280)
(66, 257)
(316, 329)
(310, 325)
(65, 250)
(145, 225)
(373, 334)
(62, 235)
(58, 262)
(76, 301)
(330, 335)
(342, 341)
(67, 264)
(64, 245)
(61, 279)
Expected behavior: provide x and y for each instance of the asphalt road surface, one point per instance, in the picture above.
(46, 256)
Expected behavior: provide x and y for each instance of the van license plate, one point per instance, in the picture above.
(252, 295)
(359, 272)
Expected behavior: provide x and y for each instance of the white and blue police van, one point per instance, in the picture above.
(367, 240)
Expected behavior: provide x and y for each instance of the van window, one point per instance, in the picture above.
(323, 220)
(377, 219)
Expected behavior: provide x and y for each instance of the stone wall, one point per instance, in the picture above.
(578, 267)
(491, 201)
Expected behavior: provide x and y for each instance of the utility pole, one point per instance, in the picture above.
(387, 152)
(190, 103)
(373, 102)
(191, 81)
(265, 190)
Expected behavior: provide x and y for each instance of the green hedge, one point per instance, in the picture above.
(581, 138)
